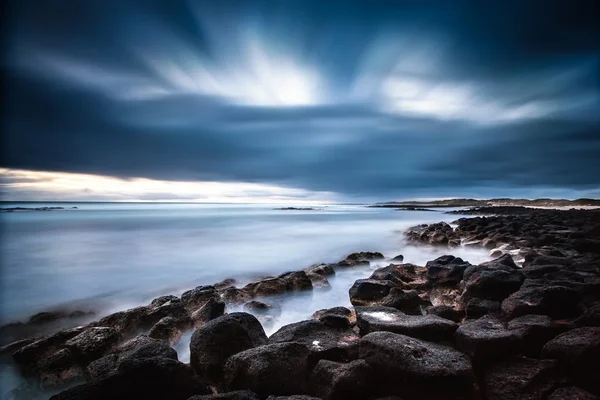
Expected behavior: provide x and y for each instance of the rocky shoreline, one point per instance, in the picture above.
(525, 325)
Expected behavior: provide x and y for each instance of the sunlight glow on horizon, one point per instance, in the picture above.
(44, 185)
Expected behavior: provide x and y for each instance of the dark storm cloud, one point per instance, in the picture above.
(159, 90)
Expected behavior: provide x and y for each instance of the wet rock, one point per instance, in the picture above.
(273, 369)
(159, 301)
(294, 397)
(476, 308)
(555, 301)
(323, 341)
(446, 270)
(487, 339)
(128, 322)
(572, 393)
(321, 269)
(319, 282)
(399, 274)
(415, 369)
(214, 342)
(288, 282)
(332, 380)
(369, 291)
(59, 370)
(365, 255)
(235, 395)
(579, 351)
(31, 357)
(146, 378)
(338, 317)
(522, 378)
(296, 281)
(235, 296)
(505, 260)
(538, 271)
(166, 329)
(213, 308)
(447, 312)
(258, 307)
(426, 327)
(398, 258)
(535, 331)
(225, 283)
(93, 343)
(197, 297)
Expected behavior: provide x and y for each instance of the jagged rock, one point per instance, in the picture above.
(492, 284)
(273, 369)
(166, 329)
(332, 380)
(487, 339)
(214, 342)
(426, 327)
(235, 296)
(321, 269)
(413, 368)
(406, 301)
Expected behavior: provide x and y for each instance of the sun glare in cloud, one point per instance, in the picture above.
(46, 186)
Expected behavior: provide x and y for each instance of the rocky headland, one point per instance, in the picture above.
(524, 325)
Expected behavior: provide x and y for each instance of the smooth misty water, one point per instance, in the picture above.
(117, 255)
(112, 256)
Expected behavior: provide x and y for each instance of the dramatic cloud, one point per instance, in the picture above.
(367, 100)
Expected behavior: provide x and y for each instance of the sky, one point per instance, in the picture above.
(300, 101)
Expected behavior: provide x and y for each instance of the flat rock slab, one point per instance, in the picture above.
(426, 327)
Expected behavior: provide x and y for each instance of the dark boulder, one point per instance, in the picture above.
(415, 369)
(166, 329)
(426, 327)
(476, 308)
(535, 331)
(235, 296)
(323, 341)
(398, 258)
(446, 270)
(159, 301)
(522, 378)
(214, 342)
(145, 378)
(139, 347)
(366, 292)
(554, 300)
(274, 369)
(487, 339)
(332, 380)
(493, 284)
(579, 351)
(400, 274)
(129, 322)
